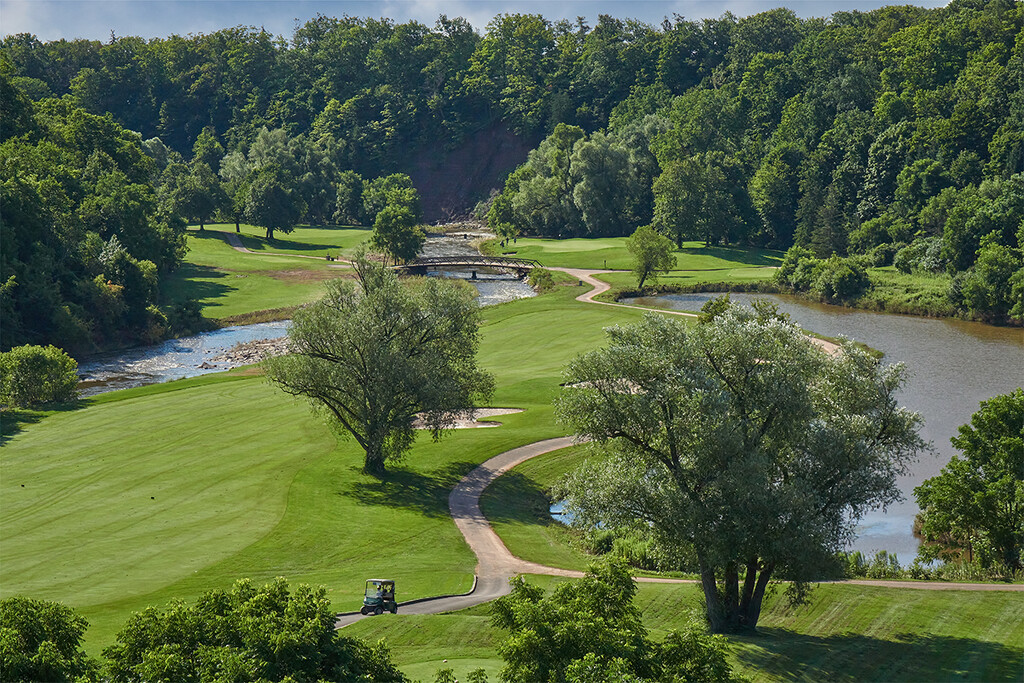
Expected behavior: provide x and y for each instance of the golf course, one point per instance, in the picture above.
(144, 496)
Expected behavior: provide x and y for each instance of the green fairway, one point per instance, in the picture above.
(230, 283)
(170, 490)
(318, 241)
(611, 253)
(146, 495)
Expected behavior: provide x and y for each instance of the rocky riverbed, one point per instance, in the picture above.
(247, 353)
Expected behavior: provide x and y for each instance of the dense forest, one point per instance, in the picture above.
(895, 135)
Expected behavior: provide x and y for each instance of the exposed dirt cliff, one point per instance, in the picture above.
(452, 181)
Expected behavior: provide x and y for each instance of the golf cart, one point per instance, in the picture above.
(379, 596)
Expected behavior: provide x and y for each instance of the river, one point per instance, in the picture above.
(952, 366)
(493, 287)
(194, 355)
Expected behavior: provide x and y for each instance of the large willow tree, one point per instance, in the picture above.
(738, 440)
(375, 353)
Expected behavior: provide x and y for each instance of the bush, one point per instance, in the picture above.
(924, 255)
(248, 634)
(541, 279)
(791, 262)
(883, 254)
(839, 279)
(870, 235)
(31, 375)
(41, 641)
(590, 630)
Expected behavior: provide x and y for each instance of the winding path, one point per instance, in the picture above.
(496, 565)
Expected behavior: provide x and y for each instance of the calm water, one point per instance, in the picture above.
(952, 366)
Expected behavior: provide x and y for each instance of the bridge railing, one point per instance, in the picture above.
(480, 261)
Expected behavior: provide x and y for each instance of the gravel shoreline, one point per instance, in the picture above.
(248, 353)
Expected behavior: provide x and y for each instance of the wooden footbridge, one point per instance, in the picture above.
(519, 266)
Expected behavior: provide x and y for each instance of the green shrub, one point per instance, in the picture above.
(31, 375)
(870, 235)
(541, 279)
(41, 641)
(883, 254)
(250, 633)
(921, 255)
(839, 279)
(791, 261)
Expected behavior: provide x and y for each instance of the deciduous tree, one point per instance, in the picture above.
(250, 633)
(41, 641)
(739, 439)
(652, 252)
(373, 355)
(589, 630)
(976, 504)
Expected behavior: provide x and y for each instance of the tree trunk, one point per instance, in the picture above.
(270, 234)
(732, 591)
(237, 228)
(374, 463)
(752, 612)
(732, 611)
(715, 613)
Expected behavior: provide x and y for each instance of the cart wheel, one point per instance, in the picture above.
(362, 610)
(378, 610)
(394, 610)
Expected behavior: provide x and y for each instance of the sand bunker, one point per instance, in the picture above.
(465, 422)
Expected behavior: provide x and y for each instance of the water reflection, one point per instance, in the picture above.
(952, 366)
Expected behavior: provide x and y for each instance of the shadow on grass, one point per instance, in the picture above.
(793, 656)
(518, 499)
(738, 255)
(191, 281)
(401, 488)
(257, 244)
(14, 421)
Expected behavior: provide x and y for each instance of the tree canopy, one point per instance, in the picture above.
(589, 631)
(976, 504)
(739, 440)
(863, 134)
(651, 252)
(375, 354)
(42, 641)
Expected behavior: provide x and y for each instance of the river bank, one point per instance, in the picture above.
(952, 365)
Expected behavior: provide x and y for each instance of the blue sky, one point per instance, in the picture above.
(95, 19)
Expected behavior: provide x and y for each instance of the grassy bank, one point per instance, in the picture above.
(610, 253)
(229, 284)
